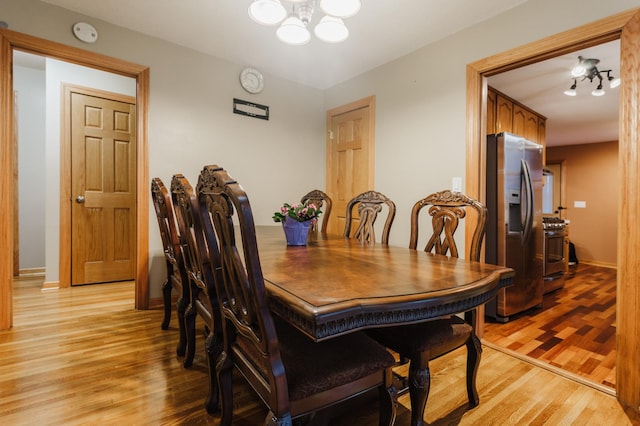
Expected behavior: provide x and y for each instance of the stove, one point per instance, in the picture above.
(554, 251)
(554, 223)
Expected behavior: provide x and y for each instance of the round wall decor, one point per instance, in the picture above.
(251, 80)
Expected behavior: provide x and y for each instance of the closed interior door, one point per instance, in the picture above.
(103, 189)
(349, 157)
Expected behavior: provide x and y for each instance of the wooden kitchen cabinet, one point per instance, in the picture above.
(542, 137)
(505, 114)
(525, 123)
(492, 98)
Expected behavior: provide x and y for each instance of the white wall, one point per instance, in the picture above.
(421, 98)
(29, 85)
(420, 107)
(191, 122)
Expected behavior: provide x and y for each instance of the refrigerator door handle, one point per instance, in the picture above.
(527, 204)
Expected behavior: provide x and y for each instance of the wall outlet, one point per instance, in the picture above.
(580, 204)
(456, 184)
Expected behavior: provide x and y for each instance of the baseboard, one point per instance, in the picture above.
(31, 272)
(600, 264)
(156, 303)
(51, 285)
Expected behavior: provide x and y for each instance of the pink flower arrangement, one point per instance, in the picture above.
(300, 212)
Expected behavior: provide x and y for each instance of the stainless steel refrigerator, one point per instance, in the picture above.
(514, 228)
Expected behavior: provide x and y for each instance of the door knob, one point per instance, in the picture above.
(80, 199)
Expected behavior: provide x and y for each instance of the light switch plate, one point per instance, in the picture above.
(580, 204)
(456, 184)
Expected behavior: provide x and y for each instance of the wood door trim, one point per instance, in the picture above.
(65, 168)
(598, 32)
(16, 192)
(10, 40)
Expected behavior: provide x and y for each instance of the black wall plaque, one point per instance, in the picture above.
(250, 109)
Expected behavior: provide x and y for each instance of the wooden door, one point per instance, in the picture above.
(350, 153)
(103, 189)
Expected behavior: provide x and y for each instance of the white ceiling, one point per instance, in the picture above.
(570, 120)
(382, 31)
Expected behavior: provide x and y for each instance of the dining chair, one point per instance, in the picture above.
(294, 376)
(203, 301)
(370, 204)
(176, 273)
(323, 202)
(420, 343)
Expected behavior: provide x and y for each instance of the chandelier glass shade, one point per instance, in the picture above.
(293, 25)
(340, 8)
(588, 70)
(331, 30)
(267, 12)
(293, 31)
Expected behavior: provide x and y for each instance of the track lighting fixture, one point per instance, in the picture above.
(588, 70)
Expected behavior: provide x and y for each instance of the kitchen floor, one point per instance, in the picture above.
(575, 330)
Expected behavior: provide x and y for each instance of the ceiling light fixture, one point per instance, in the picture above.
(293, 25)
(572, 90)
(587, 69)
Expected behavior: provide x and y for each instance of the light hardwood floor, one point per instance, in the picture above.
(83, 355)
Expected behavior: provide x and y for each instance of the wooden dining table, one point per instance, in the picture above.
(335, 285)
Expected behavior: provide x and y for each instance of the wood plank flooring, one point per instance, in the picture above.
(574, 331)
(83, 355)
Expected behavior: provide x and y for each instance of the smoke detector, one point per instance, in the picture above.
(85, 32)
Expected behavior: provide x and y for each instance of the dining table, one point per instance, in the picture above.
(335, 285)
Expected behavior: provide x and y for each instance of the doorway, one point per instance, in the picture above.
(626, 26)
(576, 128)
(10, 41)
(44, 94)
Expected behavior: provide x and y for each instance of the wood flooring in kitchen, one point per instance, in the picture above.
(575, 330)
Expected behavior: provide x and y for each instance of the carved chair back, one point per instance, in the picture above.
(176, 273)
(446, 208)
(370, 204)
(323, 202)
(200, 271)
(167, 224)
(244, 301)
(196, 253)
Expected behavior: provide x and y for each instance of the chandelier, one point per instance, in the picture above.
(293, 25)
(588, 70)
